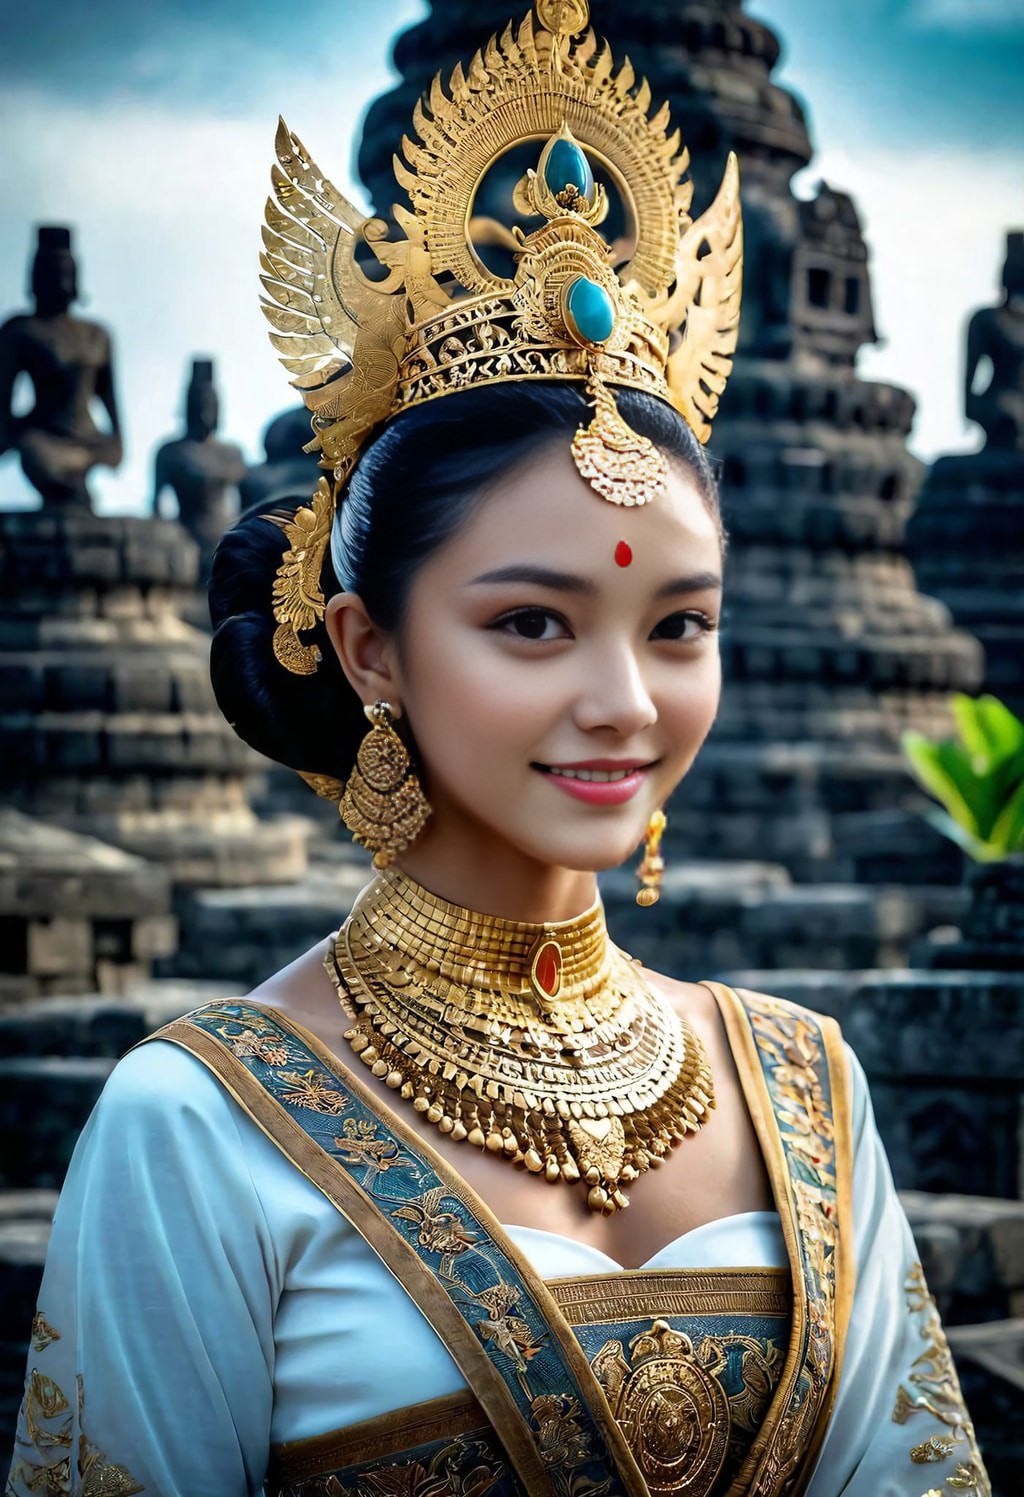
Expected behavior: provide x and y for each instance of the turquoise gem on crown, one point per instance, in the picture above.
(567, 166)
(590, 312)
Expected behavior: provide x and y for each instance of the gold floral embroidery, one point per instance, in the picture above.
(794, 1065)
(934, 1390)
(560, 1438)
(461, 1469)
(360, 1143)
(310, 1090)
(46, 1428)
(262, 1047)
(100, 1477)
(43, 1333)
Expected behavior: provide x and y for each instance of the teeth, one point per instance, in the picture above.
(592, 774)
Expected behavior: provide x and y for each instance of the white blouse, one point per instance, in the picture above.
(213, 1302)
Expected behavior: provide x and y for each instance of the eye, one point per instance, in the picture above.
(684, 626)
(532, 623)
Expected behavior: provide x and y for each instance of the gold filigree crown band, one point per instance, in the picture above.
(439, 320)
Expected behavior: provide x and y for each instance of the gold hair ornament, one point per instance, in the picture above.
(439, 320)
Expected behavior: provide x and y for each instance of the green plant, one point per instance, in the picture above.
(978, 778)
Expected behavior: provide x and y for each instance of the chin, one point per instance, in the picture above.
(597, 856)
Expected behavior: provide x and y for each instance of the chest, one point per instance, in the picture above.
(59, 347)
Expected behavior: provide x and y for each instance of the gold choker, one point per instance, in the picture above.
(540, 1043)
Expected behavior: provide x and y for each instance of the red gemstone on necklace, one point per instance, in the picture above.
(623, 555)
(547, 968)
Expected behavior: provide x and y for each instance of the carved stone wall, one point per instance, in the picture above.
(108, 726)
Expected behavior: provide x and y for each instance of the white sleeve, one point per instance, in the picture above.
(899, 1427)
(152, 1358)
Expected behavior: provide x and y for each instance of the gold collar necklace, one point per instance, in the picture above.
(541, 1043)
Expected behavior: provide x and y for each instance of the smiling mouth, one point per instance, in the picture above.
(602, 776)
(599, 772)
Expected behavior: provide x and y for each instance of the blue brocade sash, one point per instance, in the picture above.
(500, 1322)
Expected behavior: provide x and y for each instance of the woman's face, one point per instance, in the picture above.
(556, 695)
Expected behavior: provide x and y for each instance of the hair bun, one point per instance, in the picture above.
(311, 723)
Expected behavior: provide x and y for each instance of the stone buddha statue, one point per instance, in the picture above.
(202, 470)
(68, 361)
(996, 335)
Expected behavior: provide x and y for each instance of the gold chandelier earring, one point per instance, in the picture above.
(653, 866)
(384, 806)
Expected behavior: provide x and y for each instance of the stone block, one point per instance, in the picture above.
(57, 947)
(22, 684)
(987, 1262)
(143, 687)
(144, 741)
(71, 741)
(92, 1025)
(990, 1362)
(78, 685)
(55, 1094)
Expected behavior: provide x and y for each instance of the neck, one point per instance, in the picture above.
(507, 885)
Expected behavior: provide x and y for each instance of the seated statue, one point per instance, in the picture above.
(69, 363)
(997, 334)
(203, 471)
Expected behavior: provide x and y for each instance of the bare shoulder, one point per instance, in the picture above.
(691, 1000)
(304, 992)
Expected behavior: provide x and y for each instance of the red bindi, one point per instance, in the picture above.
(623, 555)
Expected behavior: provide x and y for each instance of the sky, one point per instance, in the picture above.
(149, 128)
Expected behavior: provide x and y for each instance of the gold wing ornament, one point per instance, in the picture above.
(438, 320)
(707, 294)
(339, 333)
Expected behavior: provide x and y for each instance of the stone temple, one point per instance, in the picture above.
(966, 536)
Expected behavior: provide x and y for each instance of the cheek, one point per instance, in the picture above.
(468, 702)
(689, 707)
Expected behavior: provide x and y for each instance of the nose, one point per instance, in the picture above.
(614, 693)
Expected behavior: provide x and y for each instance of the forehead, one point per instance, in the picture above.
(544, 508)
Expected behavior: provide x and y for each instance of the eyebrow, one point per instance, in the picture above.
(568, 582)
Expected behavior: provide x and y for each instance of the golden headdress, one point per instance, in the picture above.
(439, 320)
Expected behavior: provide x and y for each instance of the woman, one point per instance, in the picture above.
(275, 1269)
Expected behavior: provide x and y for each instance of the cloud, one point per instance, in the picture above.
(966, 15)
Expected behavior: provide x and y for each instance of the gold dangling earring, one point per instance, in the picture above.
(383, 806)
(653, 866)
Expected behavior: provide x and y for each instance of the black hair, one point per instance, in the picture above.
(411, 490)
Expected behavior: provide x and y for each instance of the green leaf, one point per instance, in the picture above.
(945, 771)
(1008, 832)
(944, 823)
(979, 780)
(989, 730)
